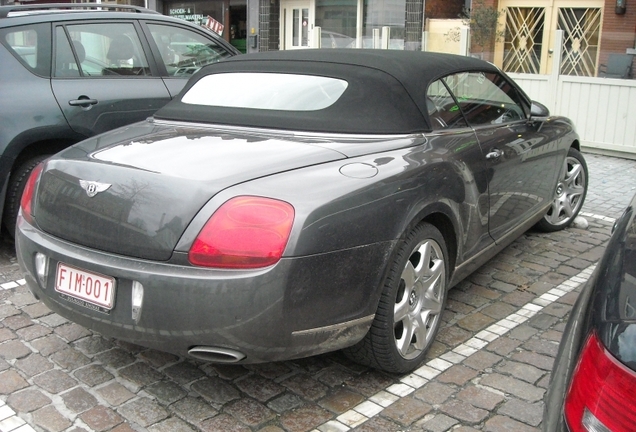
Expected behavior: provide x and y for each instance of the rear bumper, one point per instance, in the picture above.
(296, 308)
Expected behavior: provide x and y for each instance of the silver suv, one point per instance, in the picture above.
(71, 71)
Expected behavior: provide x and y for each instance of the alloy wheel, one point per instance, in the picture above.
(569, 193)
(420, 299)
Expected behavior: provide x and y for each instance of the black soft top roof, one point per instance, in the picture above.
(386, 91)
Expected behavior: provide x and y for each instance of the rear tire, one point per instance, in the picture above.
(410, 309)
(17, 182)
(569, 194)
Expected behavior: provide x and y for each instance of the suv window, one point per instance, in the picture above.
(183, 51)
(105, 49)
(31, 44)
(485, 98)
(106, 73)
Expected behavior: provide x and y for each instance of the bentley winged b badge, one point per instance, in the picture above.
(92, 188)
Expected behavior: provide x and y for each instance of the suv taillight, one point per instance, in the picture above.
(26, 202)
(602, 394)
(245, 232)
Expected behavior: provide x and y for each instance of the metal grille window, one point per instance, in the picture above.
(582, 28)
(531, 31)
(524, 36)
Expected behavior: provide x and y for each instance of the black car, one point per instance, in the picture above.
(292, 203)
(71, 71)
(593, 382)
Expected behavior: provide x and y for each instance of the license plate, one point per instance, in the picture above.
(92, 290)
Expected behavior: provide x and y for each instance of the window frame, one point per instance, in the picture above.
(505, 86)
(145, 26)
(513, 92)
(43, 48)
(144, 48)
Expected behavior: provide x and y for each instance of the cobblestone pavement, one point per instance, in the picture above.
(488, 370)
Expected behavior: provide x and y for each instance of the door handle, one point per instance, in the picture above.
(495, 154)
(82, 101)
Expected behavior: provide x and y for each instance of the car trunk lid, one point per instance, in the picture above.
(133, 193)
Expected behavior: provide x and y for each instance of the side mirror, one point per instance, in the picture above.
(539, 112)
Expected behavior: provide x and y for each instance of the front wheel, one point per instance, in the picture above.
(569, 194)
(411, 305)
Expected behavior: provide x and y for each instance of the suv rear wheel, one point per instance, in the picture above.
(17, 181)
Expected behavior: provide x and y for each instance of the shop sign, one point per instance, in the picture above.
(188, 14)
(213, 25)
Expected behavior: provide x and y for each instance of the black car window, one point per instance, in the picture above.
(441, 108)
(102, 49)
(31, 44)
(184, 51)
(485, 98)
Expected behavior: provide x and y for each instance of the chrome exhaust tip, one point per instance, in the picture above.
(215, 355)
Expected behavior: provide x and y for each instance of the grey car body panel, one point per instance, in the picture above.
(256, 312)
(137, 167)
(332, 227)
(522, 179)
(21, 125)
(356, 197)
(18, 131)
(27, 131)
(119, 101)
(603, 307)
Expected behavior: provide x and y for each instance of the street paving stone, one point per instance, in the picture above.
(487, 371)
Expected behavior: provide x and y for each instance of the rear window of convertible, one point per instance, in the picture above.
(266, 91)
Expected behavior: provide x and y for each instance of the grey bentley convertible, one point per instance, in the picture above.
(293, 203)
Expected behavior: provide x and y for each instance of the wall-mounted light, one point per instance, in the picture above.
(620, 7)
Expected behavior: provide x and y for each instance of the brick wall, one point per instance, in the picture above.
(443, 9)
(618, 30)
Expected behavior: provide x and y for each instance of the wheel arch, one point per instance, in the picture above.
(21, 151)
(441, 216)
(39, 148)
(446, 227)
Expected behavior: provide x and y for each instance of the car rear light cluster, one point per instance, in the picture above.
(26, 202)
(602, 395)
(245, 232)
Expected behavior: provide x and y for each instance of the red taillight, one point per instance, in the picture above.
(26, 202)
(245, 232)
(602, 392)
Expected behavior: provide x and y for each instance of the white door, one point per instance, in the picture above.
(297, 26)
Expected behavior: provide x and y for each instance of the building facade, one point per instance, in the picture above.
(596, 33)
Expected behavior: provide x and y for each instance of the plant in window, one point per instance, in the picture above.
(483, 22)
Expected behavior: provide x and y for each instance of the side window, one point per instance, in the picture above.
(486, 98)
(109, 49)
(31, 45)
(442, 110)
(184, 51)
